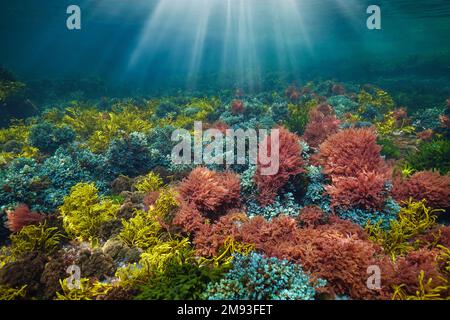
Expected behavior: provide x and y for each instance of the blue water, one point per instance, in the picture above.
(190, 43)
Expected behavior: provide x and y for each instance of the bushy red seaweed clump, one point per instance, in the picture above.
(428, 185)
(311, 216)
(365, 190)
(358, 173)
(350, 152)
(290, 165)
(209, 191)
(21, 217)
(340, 255)
(206, 195)
(406, 269)
(322, 124)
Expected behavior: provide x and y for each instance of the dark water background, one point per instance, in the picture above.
(195, 43)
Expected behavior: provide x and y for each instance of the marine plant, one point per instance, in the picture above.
(431, 156)
(311, 216)
(17, 181)
(285, 204)
(291, 164)
(322, 123)
(343, 105)
(149, 183)
(226, 253)
(256, 277)
(315, 192)
(99, 129)
(21, 217)
(351, 151)
(38, 238)
(113, 125)
(426, 291)
(338, 252)
(14, 143)
(161, 145)
(141, 231)
(10, 88)
(416, 275)
(83, 212)
(428, 185)
(366, 190)
(390, 125)
(299, 116)
(156, 259)
(179, 282)
(210, 238)
(427, 118)
(7, 293)
(66, 168)
(210, 192)
(379, 99)
(388, 148)
(360, 177)
(362, 217)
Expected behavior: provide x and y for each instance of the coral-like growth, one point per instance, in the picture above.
(142, 227)
(431, 155)
(363, 217)
(290, 165)
(47, 137)
(210, 192)
(255, 277)
(337, 256)
(428, 185)
(21, 217)
(267, 236)
(129, 156)
(322, 124)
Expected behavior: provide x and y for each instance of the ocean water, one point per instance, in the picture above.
(99, 100)
(187, 43)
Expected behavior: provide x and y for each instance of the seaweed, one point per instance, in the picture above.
(414, 218)
(83, 212)
(431, 156)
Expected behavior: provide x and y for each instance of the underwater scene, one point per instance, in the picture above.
(225, 150)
